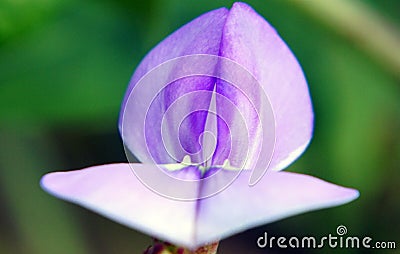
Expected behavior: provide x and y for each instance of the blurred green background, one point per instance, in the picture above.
(65, 65)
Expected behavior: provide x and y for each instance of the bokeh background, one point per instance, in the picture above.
(64, 67)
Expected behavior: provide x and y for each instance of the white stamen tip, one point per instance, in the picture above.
(186, 160)
(226, 164)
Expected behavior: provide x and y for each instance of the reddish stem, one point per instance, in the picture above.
(160, 247)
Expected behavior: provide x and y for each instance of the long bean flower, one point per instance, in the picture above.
(213, 113)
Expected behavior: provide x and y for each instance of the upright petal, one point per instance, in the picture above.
(168, 140)
(277, 195)
(253, 43)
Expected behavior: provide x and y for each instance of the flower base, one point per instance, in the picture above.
(160, 247)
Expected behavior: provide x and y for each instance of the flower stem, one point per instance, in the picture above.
(160, 247)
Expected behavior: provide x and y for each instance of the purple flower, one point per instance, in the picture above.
(207, 112)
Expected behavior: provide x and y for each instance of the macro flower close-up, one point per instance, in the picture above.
(199, 127)
(213, 112)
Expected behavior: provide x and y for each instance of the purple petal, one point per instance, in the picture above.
(277, 195)
(115, 192)
(201, 36)
(250, 41)
(245, 37)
